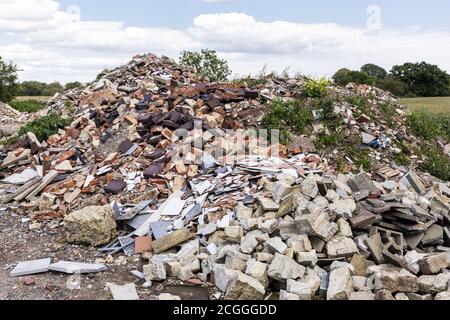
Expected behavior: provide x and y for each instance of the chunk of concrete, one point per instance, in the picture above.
(257, 270)
(433, 284)
(223, 276)
(394, 279)
(340, 284)
(299, 288)
(283, 268)
(31, 267)
(171, 240)
(76, 267)
(309, 188)
(341, 246)
(95, 225)
(244, 287)
(343, 208)
(276, 245)
(434, 263)
(126, 292)
(155, 271)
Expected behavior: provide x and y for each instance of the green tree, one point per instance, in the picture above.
(207, 64)
(73, 85)
(31, 88)
(52, 88)
(392, 85)
(341, 77)
(345, 76)
(374, 71)
(423, 79)
(8, 80)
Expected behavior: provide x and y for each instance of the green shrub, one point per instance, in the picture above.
(402, 158)
(316, 88)
(361, 105)
(45, 127)
(429, 125)
(29, 106)
(436, 162)
(288, 117)
(361, 158)
(324, 141)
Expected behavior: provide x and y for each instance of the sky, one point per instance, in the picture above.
(73, 40)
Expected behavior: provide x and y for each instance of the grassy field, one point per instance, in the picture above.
(39, 98)
(435, 105)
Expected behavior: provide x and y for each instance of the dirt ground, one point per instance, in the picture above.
(19, 243)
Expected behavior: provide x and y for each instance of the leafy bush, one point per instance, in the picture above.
(361, 158)
(429, 125)
(316, 88)
(29, 106)
(345, 76)
(288, 117)
(207, 64)
(436, 163)
(45, 127)
(361, 105)
(324, 141)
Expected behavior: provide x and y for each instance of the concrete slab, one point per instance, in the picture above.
(31, 267)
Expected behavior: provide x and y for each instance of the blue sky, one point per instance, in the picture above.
(179, 13)
(50, 42)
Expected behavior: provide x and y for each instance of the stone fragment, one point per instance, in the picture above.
(418, 297)
(340, 284)
(362, 296)
(283, 268)
(168, 297)
(223, 276)
(171, 240)
(76, 267)
(155, 271)
(244, 287)
(234, 234)
(362, 182)
(307, 259)
(126, 292)
(95, 225)
(361, 265)
(280, 191)
(299, 288)
(343, 208)
(286, 296)
(257, 270)
(31, 267)
(394, 279)
(433, 284)
(309, 188)
(276, 245)
(341, 246)
(269, 226)
(434, 263)
(443, 296)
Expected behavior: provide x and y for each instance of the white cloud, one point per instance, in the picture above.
(51, 44)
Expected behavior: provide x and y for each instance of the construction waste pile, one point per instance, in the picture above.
(278, 222)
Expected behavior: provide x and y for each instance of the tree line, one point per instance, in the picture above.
(407, 80)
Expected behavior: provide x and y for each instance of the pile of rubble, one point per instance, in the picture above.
(147, 168)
